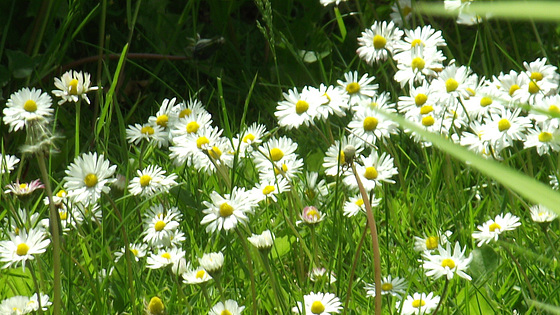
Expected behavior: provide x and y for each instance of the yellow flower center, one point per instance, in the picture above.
(536, 76)
(225, 312)
(30, 106)
(418, 303)
(471, 91)
(545, 136)
(533, 87)
(22, 249)
(147, 130)
(267, 189)
(416, 42)
(513, 88)
(379, 41)
(200, 274)
(90, 180)
(432, 242)
(504, 124)
(215, 153)
(185, 112)
(276, 154)
(201, 141)
(160, 225)
(145, 180)
(554, 109)
(406, 10)
(353, 88)
(23, 186)
(162, 120)
(370, 123)
(387, 286)
(250, 137)
(485, 101)
(451, 85)
(359, 202)
(301, 107)
(418, 64)
(371, 173)
(494, 226)
(63, 215)
(313, 214)
(342, 157)
(73, 87)
(156, 306)
(61, 193)
(426, 109)
(134, 252)
(226, 210)
(420, 99)
(166, 255)
(448, 262)
(317, 307)
(192, 127)
(428, 121)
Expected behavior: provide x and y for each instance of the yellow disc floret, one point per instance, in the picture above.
(162, 120)
(301, 107)
(276, 154)
(504, 124)
(30, 106)
(451, 85)
(226, 210)
(379, 41)
(418, 64)
(353, 88)
(371, 173)
(370, 123)
(317, 307)
(145, 180)
(22, 249)
(90, 180)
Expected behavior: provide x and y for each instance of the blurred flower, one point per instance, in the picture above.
(431, 242)
(212, 262)
(419, 303)
(23, 188)
(155, 306)
(7, 163)
(317, 274)
(230, 307)
(196, 276)
(541, 214)
(311, 215)
(25, 106)
(263, 241)
(491, 229)
(137, 250)
(447, 263)
(73, 85)
(318, 303)
(165, 257)
(389, 285)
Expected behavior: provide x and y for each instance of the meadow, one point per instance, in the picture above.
(279, 157)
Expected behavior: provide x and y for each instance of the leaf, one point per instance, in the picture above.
(19, 64)
(485, 261)
(281, 246)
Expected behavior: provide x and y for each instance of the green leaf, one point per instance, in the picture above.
(485, 261)
(340, 23)
(281, 246)
(20, 64)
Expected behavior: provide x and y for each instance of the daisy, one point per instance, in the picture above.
(545, 139)
(191, 124)
(336, 101)
(88, 177)
(548, 111)
(288, 168)
(358, 89)
(402, 11)
(23, 247)
(227, 211)
(509, 85)
(541, 214)
(454, 82)
(313, 188)
(502, 129)
(491, 229)
(230, 307)
(263, 241)
(25, 106)
(165, 257)
(166, 117)
(193, 147)
(137, 250)
(22, 221)
(422, 36)
(369, 124)
(317, 274)
(376, 43)
(484, 102)
(299, 108)
(311, 215)
(219, 154)
(335, 158)
(153, 134)
(196, 276)
(192, 106)
(250, 139)
(419, 96)
(373, 170)
(15, 305)
(23, 188)
(318, 303)
(150, 181)
(355, 205)
(431, 242)
(269, 188)
(33, 304)
(419, 303)
(73, 86)
(418, 65)
(447, 263)
(155, 306)
(7, 163)
(389, 285)
(543, 81)
(159, 224)
(212, 262)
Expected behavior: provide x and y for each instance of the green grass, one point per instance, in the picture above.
(240, 80)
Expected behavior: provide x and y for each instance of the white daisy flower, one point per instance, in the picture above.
(410, 104)
(192, 106)
(336, 101)
(376, 42)
(402, 11)
(491, 229)
(429, 243)
(7, 163)
(419, 303)
(212, 262)
(165, 257)
(389, 285)
(33, 303)
(299, 108)
(227, 211)
(447, 263)
(153, 134)
(318, 303)
(358, 89)
(15, 305)
(23, 220)
(502, 129)
(545, 139)
(191, 124)
(269, 188)
(25, 106)
(541, 214)
(355, 205)
(150, 181)
(547, 111)
(454, 82)
(195, 276)
(159, 225)
(418, 65)
(230, 307)
(166, 116)
(22, 189)
(88, 177)
(335, 159)
(373, 170)
(485, 102)
(263, 241)
(311, 215)
(23, 247)
(192, 147)
(423, 36)
(73, 86)
(250, 139)
(313, 188)
(509, 85)
(369, 124)
(317, 274)
(137, 250)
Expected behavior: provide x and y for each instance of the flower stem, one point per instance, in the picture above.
(77, 133)
(445, 287)
(54, 223)
(250, 265)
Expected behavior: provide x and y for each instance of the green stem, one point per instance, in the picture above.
(353, 269)
(206, 296)
(54, 223)
(275, 288)
(250, 265)
(445, 287)
(40, 309)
